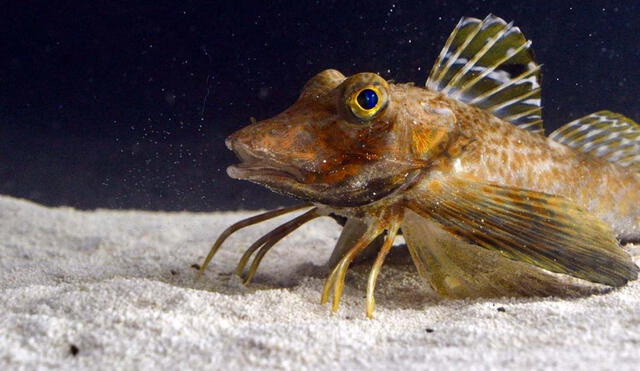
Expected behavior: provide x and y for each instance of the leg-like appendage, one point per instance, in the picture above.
(392, 231)
(336, 278)
(245, 223)
(268, 240)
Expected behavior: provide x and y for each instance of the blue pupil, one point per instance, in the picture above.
(367, 99)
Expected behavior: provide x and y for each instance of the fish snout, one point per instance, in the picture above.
(229, 142)
(242, 145)
(254, 137)
(268, 139)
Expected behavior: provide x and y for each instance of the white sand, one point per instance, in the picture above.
(103, 282)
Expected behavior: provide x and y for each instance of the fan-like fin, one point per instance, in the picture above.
(458, 269)
(548, 231)
(489, 64)
(604, 134)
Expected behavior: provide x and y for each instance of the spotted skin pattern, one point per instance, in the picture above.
(507, 155)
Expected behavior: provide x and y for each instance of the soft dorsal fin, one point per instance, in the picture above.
(604, 134)
(490, 65)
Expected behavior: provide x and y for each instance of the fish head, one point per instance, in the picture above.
(344, 142)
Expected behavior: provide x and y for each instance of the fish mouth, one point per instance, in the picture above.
(254, 167)
(258, 167)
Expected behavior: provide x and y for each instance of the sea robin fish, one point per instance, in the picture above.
(488, 206)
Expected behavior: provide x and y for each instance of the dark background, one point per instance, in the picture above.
(126, 104)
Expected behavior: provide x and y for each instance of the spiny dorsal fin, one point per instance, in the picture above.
(489, 64)
(604, 134)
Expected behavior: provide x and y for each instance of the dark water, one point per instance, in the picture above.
(126, 105)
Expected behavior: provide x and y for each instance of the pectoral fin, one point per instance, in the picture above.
(458, 269)
(548, 231)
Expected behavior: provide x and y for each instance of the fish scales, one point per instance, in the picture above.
(488, 206)
(502, 153)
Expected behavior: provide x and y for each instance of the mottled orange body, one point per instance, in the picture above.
(504, 154)
(487, 204)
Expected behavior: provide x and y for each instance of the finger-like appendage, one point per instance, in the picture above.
(337, 276)
(338, 286)
(328, 284)
(274, 236)
(392, 231)
(281, 232)
(245, 223)
(331, 279)
(252, 249)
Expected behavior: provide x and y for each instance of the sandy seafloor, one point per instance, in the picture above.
(118, 287)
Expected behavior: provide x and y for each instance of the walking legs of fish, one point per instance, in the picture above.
(272, 239)
(389, 223)
(337, 275)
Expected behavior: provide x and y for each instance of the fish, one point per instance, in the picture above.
(461, 168)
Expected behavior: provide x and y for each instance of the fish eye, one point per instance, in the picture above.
(367, 99)
(367, 102)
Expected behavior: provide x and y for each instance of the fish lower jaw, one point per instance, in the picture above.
(258, 171)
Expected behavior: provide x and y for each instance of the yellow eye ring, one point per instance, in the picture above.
(365, 103)
(363, 97)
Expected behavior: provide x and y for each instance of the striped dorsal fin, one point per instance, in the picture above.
(604, 134)
(490, 65)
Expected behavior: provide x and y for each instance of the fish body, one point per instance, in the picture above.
(504, 154)
(487, 204)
